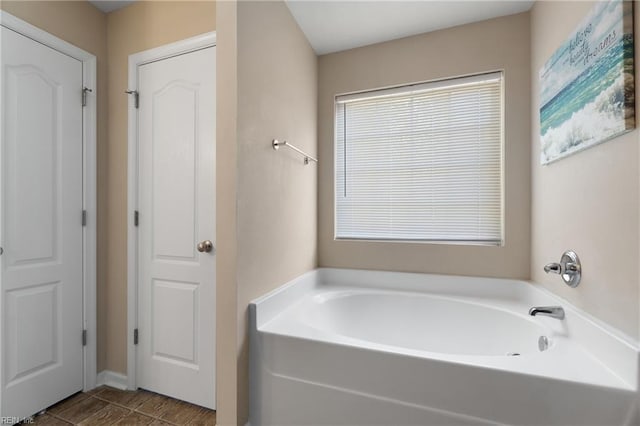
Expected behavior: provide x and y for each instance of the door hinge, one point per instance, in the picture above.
(136, 97)
(136, 218)
(84, 337)
(135, 336)
(84, 218)
(84, 95)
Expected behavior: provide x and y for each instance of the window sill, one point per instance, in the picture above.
(489, 243)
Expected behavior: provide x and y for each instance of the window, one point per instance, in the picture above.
(421, 162)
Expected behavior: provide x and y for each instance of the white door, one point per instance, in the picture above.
(176, 203)
(40, 226)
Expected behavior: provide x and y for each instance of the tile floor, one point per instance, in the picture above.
(109, 406)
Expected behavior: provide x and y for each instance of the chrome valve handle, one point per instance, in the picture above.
(569, 268)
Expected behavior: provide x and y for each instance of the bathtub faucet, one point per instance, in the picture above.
(547, 311)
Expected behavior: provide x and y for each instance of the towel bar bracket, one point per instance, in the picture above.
(307, 158)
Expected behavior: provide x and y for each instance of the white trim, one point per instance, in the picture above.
(113, 379)
(89, 124)
(168, 50)
(426, 86)
(136, 60)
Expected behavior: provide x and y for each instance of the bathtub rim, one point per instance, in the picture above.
(616, 351)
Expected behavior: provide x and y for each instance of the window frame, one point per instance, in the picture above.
(408, 87)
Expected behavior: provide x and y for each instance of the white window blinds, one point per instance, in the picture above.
(421, 162)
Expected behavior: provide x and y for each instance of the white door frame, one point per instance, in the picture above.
(137, 59)
(89, 168)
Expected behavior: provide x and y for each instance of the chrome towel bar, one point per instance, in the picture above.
(276, 144)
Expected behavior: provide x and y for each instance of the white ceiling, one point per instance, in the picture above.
(335, 25)
(332, 26)
(110, 5)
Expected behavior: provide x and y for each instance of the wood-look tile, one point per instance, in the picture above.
(66, 403)
(47, 420)
(156, 406)
(158, 422)
(109, 406)
(205, 418)
(129, 399)
(82, 410)
(96, 390)
(181, 413)
(134, 418)
(106, 416)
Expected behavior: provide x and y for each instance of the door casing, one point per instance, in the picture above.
(89, 184)
(163, 52)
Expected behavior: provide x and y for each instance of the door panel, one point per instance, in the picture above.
(174, 330)
(32, 215)
(36, 325)
(176, 187)
(40, 226)
(175, 111)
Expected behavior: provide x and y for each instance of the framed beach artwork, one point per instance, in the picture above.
(587, 93)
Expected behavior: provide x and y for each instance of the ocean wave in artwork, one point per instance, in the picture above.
(595, 122)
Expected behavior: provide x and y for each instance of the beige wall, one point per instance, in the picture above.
(226, 212)
(589, 201)
(501, 43)
(82, 25)
(266, 199)
(277, 193)
(140, 26)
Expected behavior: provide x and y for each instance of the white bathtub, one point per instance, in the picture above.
(346, 347)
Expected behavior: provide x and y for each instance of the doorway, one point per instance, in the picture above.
(172, 260)
(47, 219)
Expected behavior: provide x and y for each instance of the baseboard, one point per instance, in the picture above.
(113, 379)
